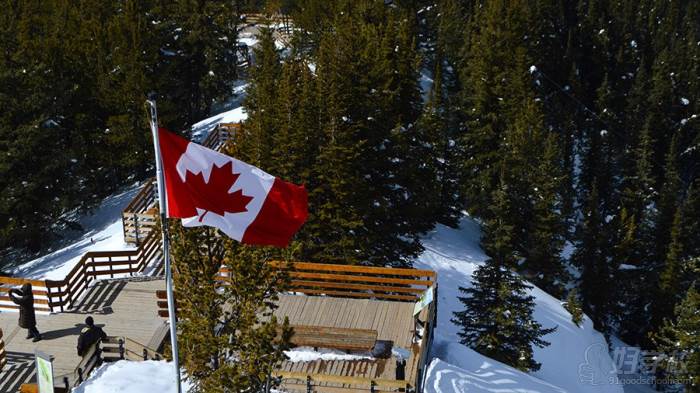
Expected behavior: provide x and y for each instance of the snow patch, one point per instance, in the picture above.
(133, 377)
(307, 354)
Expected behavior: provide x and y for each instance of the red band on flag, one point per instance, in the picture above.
(281, 216)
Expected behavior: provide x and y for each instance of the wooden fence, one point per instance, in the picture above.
(39, 290)
(323, 383)
(59, 295)
(103, 264)
(319, 279)
(3, 352)
(355, 281)
(139, 217)
(110, 349)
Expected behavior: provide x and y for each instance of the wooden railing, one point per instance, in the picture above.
(426, 341)
(335, 280)
(3, 352)
(110, 349)
(223, 133)
(140, 216)
(302, 382)
(355, 281)
(123, 348)
(39, 290)
(102, 264)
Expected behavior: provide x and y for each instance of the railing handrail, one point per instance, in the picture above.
(3, 352)
(77, 280)
(344, 380)
(141, 195)
(399, 284)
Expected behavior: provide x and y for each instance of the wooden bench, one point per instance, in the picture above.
(333, 338)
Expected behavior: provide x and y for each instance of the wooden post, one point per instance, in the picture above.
(136, 228)
(48, 295)
(121, 349)
(68, 292)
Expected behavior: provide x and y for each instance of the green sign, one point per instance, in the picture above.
(425, 299)
(44, 372)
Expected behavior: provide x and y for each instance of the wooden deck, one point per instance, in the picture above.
(121, 307)
(392, 320)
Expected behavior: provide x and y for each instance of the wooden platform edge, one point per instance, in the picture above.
(357, 381)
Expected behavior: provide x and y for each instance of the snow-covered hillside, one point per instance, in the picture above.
(102, 231)
(576, 361)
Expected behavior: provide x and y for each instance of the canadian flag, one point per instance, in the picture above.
(205, 187)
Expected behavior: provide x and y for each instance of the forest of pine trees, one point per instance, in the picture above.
(568, 129)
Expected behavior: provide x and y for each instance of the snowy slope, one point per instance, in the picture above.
(102, 231)
(576, 361)
(481, 374)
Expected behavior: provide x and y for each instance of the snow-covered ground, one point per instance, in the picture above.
(481, 374)
(231, 111)
(576, 361)
(102, 231)
(132, 377)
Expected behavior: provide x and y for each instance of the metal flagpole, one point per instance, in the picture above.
(166, 246)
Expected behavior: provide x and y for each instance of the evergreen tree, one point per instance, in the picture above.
(573, 306)
(437, 143)
(197, 57)
(365, 181)
(596, 285)
(261, 102)
(497, 320)
(680, 342)
(547, 228)
(222, 321)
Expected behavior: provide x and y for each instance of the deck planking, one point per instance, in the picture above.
(122, 307)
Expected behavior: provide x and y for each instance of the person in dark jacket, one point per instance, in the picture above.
(89, 336)
(27, 320)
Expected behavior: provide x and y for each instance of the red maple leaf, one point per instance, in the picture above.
(214, 196)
